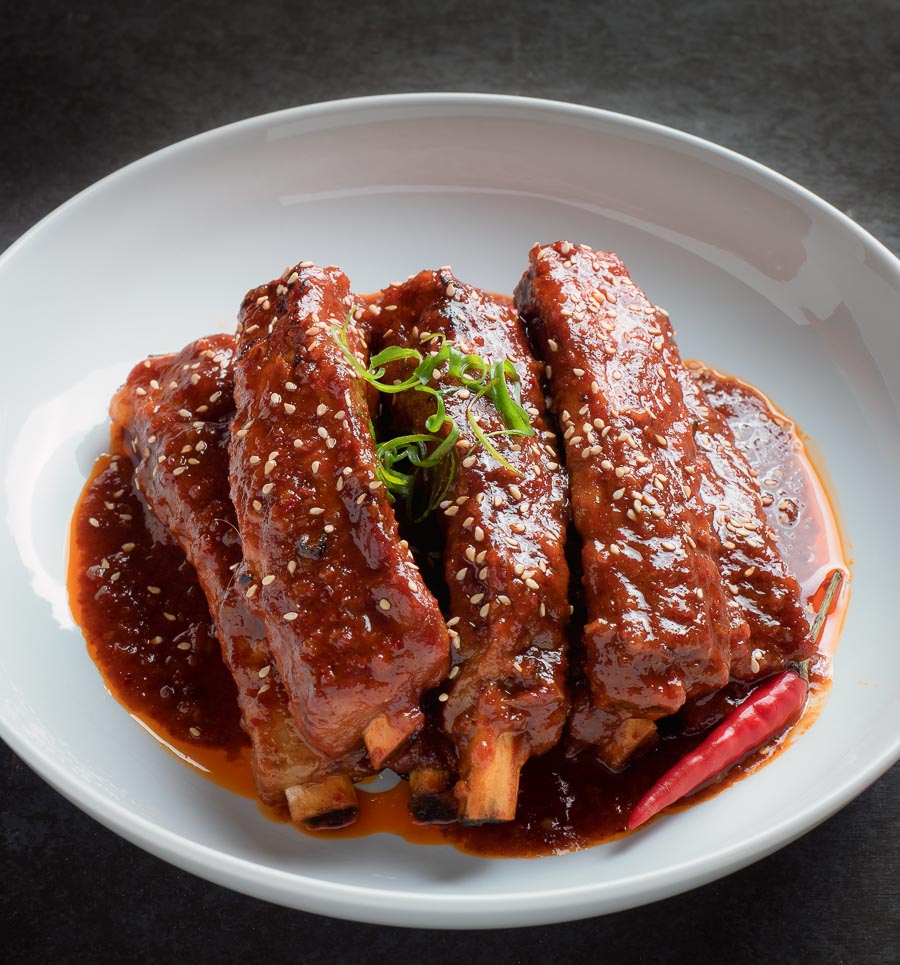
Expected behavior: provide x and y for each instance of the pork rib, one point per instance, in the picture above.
(356, 635)
(175, 412)
(504, 533)
(659, 629)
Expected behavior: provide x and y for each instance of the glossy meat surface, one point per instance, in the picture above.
(504, 529)
(175, 412)
(353, 629)
(659, 630)
(767, 595)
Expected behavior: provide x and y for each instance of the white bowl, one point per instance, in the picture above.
(762, 279)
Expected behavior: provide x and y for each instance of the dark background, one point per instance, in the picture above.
(811, 89)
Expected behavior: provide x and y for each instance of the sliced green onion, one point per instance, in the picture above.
(423, 465)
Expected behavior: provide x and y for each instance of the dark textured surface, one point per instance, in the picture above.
(811, 89)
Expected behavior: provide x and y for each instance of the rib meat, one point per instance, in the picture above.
(766, 594)
(659, 629)
(175, 412)
(356, 635)
(504, 532)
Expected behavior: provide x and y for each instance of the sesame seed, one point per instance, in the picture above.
(94, 522)
(251, 590)
(321, 409)
(443, 698)
(669, 545)
(479, 534)
(578, 372)
(451, 510)
(155, 590)
(195, 731)
(532, 584)
(483, 612)
(461, 574)
(266, 580)
(316, 511)
(269, 466)
(184, 645)
(476, 598)
(468, 462)
(257, 505)
(179, 470)
(329, 528)
(452, 622)
(291, 615)
(384, 604)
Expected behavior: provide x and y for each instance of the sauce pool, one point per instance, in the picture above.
(149, 631)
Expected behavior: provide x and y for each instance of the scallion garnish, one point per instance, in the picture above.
(421, 466)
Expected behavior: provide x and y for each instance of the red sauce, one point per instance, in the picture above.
(159, 658)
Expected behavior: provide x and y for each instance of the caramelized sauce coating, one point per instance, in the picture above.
(175, 411)
(659, 631)
(763, 591)
(356, 635)
(504, 530)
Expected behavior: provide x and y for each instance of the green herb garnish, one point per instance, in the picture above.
(424, 464)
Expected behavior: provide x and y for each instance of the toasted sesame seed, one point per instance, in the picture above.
(251, 590)
(478, 534)
(669, 545)
(267, 580)
(184, 645)
(155, 590)
(384, 604)
(476, 598)
(483, 612)
(461, 574)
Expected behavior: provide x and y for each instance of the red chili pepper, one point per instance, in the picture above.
(776, 704)
(772, 707)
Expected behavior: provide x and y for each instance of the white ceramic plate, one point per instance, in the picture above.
(761, 278)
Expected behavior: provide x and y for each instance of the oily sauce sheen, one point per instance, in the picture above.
(149, 631)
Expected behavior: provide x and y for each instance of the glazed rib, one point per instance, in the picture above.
(658, 629)
(356, 635)
(767, 596)
(504, 534)
(175, 412)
